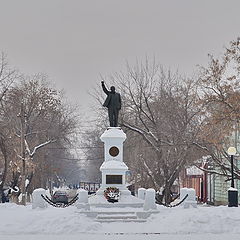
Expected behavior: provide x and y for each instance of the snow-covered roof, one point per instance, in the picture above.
(194, 171)
(115, 165)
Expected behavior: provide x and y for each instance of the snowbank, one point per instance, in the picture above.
(20, 220)
(24, 220)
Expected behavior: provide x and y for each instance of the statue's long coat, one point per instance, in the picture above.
(113, 100)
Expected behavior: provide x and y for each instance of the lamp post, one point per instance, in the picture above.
(232, 191)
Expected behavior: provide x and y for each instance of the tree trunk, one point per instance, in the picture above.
(167, 194)
(4, 176)
(14, 183)
(23, 155)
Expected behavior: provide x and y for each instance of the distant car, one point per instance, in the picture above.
(60, 197)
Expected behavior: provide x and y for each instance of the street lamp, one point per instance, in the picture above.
(232, 191)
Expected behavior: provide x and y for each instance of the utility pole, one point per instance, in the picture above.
(22, 116)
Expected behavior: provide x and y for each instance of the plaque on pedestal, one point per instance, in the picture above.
(113, 179)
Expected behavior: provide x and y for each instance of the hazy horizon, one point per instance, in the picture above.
(75, 41)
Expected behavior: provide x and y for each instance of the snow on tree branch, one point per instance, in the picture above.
(143, 133)
(151, 174)
(40, 146)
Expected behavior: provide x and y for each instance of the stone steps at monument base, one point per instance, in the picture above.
(116, 213)
(138, 214)
(117, 216)
(120, 220)
(117, 205)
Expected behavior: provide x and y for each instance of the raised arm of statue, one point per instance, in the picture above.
(104, 88)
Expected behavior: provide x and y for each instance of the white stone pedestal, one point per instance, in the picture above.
(113, 168)
(150, 202)
(37, 200)
(141, 193)
(82, 202)
(191, 199)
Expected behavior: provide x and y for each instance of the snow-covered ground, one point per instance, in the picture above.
(19, 222)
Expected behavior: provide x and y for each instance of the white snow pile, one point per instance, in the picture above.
(17, 219)
(202, 220)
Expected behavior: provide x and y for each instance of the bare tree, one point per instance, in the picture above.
(162, 108)
(7, 75)
(93, 151)
(4, 153)
(220, 96)
(7, 78)
(38, 117)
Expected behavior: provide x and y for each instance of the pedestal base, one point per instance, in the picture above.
(233, 198)
(125, 200)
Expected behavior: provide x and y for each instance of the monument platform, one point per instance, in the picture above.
(125, 201)
(113, 202)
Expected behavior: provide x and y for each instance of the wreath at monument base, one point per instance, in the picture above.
(112, 194)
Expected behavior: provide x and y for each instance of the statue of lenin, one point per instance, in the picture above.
(113, 103)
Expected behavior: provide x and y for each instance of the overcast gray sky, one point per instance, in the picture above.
(73, 41)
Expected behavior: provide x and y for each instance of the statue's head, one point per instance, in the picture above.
(112, 88)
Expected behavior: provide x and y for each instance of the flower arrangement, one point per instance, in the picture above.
(112, 194)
